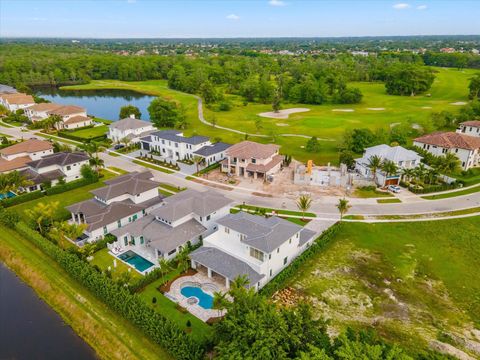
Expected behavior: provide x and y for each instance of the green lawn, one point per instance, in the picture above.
(55, 138)
(104, 260)
(451, 85)
(369, 192)
(90, 133)
(152, 166)
(452, 194)
(413, 280)
(278, 211)
(388, 201)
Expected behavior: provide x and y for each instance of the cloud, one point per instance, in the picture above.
(421, 7)
(277, 3)
(233, 17)
(401, 6)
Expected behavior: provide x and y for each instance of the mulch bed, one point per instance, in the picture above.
(166, 287)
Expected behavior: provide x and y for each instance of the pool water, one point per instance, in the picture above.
(205, 300)
(7, 195)
(140, 263)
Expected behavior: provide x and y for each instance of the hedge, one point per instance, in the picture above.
(280, 281)
(20, 199)
(433, 188)
(58, 189)
(118, 298)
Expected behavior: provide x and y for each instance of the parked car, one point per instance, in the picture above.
(118, 146)
(394, 188)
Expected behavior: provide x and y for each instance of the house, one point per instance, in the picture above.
(251, 159)
(16, 101)
(17, 156)
(183, 218)
(250, 245)
(5, 89)
(53, 167)
(123, 200)
(466, 148)
(470, 128)
(401, 157)
(130, 128)
(212, 153)
(321, 175)
(173, 145)
(73, 117)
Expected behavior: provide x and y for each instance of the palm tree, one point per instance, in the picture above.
(240, 282)
(126, 141)
(389, 168)
(450, 163)
(303, 203)
(432, 175)
(420, 172)
(97, 163)
(343, 206)
(164, 267)
(41, 213)
(182, 259)
(12, 182)
(408, 174)
(219, 301)
(374, 164)
(197, 159)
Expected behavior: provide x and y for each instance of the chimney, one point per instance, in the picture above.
(132, 116)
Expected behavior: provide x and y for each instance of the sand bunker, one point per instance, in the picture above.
(459, 103)
(283, 114)
(343, 110)
(376, 109)
(394, 124)
(426, 107)
(281, 124)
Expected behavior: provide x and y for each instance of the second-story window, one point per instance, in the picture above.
(254, 160)
(227, 230)
(257, 254)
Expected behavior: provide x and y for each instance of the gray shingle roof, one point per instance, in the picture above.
(173, 135)
(212, 149)
(60, 158)
(132, 184)
(161, 236)
(191, 201)
(224, 264)
(129, 123)
(7, 89)
(306, 235)
(37, 178)
(264, 234)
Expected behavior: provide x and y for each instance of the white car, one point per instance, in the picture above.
(394, 188)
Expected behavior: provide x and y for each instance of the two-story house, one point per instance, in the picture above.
(465, 147)
(181, 219)
(403, 158)
(72, 116)
(125, 199)
(17, 156)
(250, 245)
(470, 128)
(16, 101)
(51, 168)
(130, 128)
(251, 159)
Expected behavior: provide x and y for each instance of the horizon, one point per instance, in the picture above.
(142, 19)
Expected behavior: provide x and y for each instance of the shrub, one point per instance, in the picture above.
(58, 189)
(432, 188)
(154, 300)
(21, 198)
(9, 218)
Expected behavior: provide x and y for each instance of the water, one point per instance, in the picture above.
(7, 195)
(205, 300)
(30, 329)
(105, 104)
(136, 260)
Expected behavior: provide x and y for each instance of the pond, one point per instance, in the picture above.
(104, 104)
(30, 329)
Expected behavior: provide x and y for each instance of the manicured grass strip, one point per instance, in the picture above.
(172, 188)
(88, 133)
(278, 211)
(430, 215)
(452, 194)
(55, 138)
(103, 260)
(151, 166)
(120, 171)
(109, 334)
(114, 154)
(388, 201)
(370, 192)
(6, 125)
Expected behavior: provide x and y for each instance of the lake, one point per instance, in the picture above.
(30, 329)
(105, 104)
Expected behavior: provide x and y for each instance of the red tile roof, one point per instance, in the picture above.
(451, 140)
(474, 123)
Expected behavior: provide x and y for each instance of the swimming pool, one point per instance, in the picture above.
(138, 262)
(204, 300)
(7, 195)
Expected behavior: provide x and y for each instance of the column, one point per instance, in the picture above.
(227, 283)
(209, 272)
(194, 266)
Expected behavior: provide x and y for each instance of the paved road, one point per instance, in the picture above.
(324, 206)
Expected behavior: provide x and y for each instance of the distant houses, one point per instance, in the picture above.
(16, 101)
(16, 157)
(72, 117)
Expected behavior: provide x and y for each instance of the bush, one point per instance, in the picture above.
(160, 329)
(58, 189)
(9, 218)
(20, 199)
(432, 188)
(279, 281)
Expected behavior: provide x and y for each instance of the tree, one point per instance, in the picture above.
(360, 139)
(164, 113)
(42, 215)
(343, 206)
(347, 157)
(389, 168)
(182, 121)
(258, 124)
(303, 204)
(127, 110)
(12, 181)
(265, 90)
(287, 160)
(164, 267)
(87, 173)
(408, 174)
(312, 146)
(182, 259)
(197, 159)
(374, 164)
(474, 87)
(97, 163)
(408, 79)
(449, 163)
(126, 141)
(348, 96)
(219, 301)
(208, 92)
(277, 101)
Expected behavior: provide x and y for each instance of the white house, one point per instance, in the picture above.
(17, 156)
(470, 128)
(182, 218)
(403, 158)
(248, 158)
(213, 153)
(16, 101)
(130, 128)
(125, 199)
(172, 145)
(73, 117)
(251, 245)
(65, 165)
(465, 147)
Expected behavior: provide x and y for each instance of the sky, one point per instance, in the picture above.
(240, 18)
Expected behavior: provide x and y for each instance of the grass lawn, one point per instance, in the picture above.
(389, 201)
(56, 138)
(369, 192)
(172, 188)
(152, 166)
(278, 211)
(90, 133)
(110, 335)
(103, 260)
(168, 308)
(452, 194)
(451, 85)
(472, 178)
(120, 171)
(412, 280)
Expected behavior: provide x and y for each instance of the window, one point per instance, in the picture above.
(68, 167)
(208, 217)
(134, 217)
(254, 161)
(285, 260)
(119, 223)
(141, 240)
(269, 256)
(125, 240)
(278, 250)
(257, 254)
(227, 230)
(201, 219)
(132, 240)
(270, 272)
(105, 230)
(143, 211)
(172, 252)
(290, 241)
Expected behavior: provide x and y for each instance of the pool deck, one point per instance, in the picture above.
(116, 254)
(194, 309)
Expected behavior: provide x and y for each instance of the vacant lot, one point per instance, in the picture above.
(90, 133)
(413, 282)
